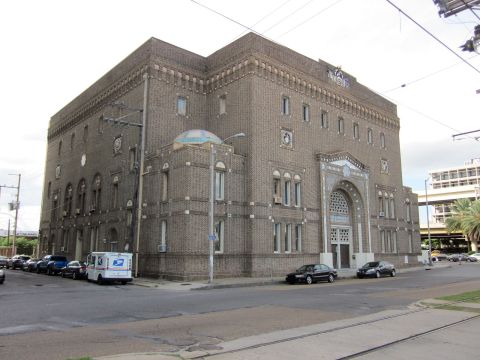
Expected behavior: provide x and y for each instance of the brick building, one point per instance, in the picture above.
(316, 179)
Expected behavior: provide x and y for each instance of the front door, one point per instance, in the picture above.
(340, 238)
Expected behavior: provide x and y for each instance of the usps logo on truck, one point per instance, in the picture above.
(118, 262)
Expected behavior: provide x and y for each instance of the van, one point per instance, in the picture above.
(105, 267)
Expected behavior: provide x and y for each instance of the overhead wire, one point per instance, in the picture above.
(289, 15)
(433, 36)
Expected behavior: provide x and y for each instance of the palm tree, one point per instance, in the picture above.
(466, 220)
(472, 224)
(456, 221)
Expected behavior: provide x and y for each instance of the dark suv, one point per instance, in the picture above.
(17, 261)
(51, 264)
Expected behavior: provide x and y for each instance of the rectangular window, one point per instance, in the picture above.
(388, 246)
(298, 237)
(382, 240)
(286, 193)
(392, 208)
(381, 208)
(408, 214)
(285, 105)
(114, 195)
(306, 112)
(219, 185)
(100, 124)
(394, 241)
(370, 136)
(65, 240)
(356, 131)
(276, 238)
(165, 186)
(341, 126)
(219, 230)
(410, 242)
(85, 133)
(181, 105)
(297, 194)
(324, 119)
(382, 140)
(132, 158)
(276, 188)
(288, 238)
(222, 104)
(113, 246)
(163, 236)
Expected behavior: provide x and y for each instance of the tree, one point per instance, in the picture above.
(466, 218)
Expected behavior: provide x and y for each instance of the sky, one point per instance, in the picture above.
(52, 50)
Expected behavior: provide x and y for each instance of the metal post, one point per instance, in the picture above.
(428, 226)
(211, 200)
(8, 232)
(140, 173)
(17, 205)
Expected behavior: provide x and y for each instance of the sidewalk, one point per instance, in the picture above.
(222, 283)
(417, 332)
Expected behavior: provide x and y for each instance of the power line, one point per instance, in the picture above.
(286, 17)
(310, 18)
(433, 36)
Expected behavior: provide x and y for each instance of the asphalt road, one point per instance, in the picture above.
(88, 319)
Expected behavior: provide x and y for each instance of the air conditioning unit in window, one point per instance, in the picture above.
(64, 213)
(277, 199)
(77, 211)
(92, 208)
(381, 214)
(162, 248)
(62, 248)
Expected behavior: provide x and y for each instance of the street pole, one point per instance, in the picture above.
(211, 200)
(140, 173)
(428, 226)
(211, 207)
(8, 233)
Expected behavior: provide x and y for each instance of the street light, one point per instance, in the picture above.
(211, 201)
(428, 226)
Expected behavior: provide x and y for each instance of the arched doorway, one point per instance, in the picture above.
(340, 229)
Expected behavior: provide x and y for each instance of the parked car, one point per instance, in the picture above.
(312, 273)
(75, 269)
(376, 269)
(2, 276)
(3, 261)
(51, 264)
(457, 257)
(17, 261)
(30, 265)
(474, 256)
(438, 256)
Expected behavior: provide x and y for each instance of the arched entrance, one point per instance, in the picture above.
(340, 229)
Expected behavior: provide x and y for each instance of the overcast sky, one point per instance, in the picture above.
(52, 50)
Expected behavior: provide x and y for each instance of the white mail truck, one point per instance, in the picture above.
(105, 267)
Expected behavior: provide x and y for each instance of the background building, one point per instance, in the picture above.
(317, 177)
(446, 186)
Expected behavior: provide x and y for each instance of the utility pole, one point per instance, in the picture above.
(15, 205)
(8, 233)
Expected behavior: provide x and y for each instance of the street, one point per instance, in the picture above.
(59, 318)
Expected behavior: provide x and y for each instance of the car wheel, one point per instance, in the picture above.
(49, 272)
(377, 274)
(331, 278)
(393, 273)
(38, 270)
(124, 283)
(74, 276)
(309, 280)
(62, 274)
(99, 280)
(360, 276)
(291, 282)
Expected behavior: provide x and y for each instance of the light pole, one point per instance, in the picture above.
(211, 202)
(142, 126)
(428, 225)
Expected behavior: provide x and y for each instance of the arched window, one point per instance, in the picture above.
(297, 194)
(277, 188)
(81, 196)
(96, 193)
(219, 180)
(67, 203)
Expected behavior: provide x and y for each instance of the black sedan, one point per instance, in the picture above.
(376, 269)
(74, 269)
(312, 273)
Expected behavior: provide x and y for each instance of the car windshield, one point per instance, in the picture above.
(305, 268)
(372, 264)
(58, 258)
